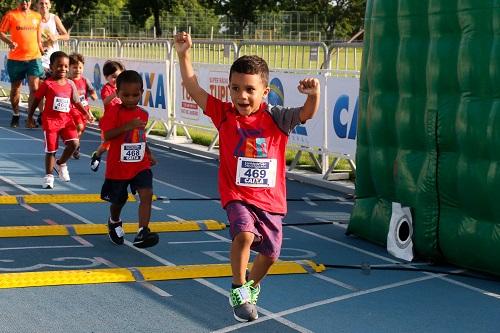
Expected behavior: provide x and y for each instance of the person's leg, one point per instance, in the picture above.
(146, 200)
(50, 160)
(240, 255)
(15, 96)
(70, 148)
(260, 268)
(115, 191)
(33, 82)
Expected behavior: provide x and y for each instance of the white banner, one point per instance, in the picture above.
(155, 98)
(284, 92)
(342, 115)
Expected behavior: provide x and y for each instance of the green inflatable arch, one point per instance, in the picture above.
(429, 127)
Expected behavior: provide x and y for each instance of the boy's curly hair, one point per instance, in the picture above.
(251, 64)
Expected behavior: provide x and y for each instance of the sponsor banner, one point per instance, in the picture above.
(342, 115)
(4, 76)
(214, 79)
(155, 98)
(284, 92)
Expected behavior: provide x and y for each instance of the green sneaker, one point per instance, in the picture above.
(241, 300)
(254, 294)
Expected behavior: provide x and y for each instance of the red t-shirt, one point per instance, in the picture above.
(84, 88)
(107, 90)
(254, 143)
(122, 162)
(58, 99)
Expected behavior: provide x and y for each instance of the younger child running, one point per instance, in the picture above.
(253, 138)
(85, 89)
(59, 93)
(111, 70)
(129, 160)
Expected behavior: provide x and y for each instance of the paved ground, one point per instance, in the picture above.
(337, 300)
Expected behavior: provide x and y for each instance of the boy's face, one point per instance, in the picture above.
(112, 78)
(76, 70)
(247, 92)
(130, 94)
(60, 67)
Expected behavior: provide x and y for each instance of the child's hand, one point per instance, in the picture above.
(309, 86)
(152, 160)
(182, 42)
(135, 123)
(90, 117)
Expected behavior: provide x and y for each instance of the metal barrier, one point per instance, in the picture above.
(145, 50)
(101, 48)
(217, 52)
(287, 55)
(345, 58)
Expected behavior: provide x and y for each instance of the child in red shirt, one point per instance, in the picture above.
(59, 93)
(85, 89)
(253, 138)
(111, 70)
(129, 159)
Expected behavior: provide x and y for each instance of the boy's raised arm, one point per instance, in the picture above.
(310, 87)
(182, 43)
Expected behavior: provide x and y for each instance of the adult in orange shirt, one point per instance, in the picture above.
(24, 59)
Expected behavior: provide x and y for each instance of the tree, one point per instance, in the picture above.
(7, 5)
(141, 10)
(71, 11)
(341, 17)
(239, 12)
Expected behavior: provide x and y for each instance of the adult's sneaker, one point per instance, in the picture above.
(48, 182)
(146, 238)
(240, 300)
(62, 171)
(115, 232)
(95, 161)
(14, 122)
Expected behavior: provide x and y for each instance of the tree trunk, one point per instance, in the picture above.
(156, 15)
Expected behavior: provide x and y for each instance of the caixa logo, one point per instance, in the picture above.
(151, 99)
(344, 120)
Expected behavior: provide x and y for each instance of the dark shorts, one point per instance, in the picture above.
(267, 227)
(19, 70)
(116, 192)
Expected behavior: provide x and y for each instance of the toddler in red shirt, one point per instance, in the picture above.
(59, 93)
(85, 89)
(111, 70)
(129, 159)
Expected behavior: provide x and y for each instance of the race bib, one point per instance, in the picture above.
(61, 104)
(132, 152)
(256, 172)
(83, 100)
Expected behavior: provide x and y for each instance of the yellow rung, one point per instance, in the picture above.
(8, 200)
(58, 278)
(101, 229)
(159, 273)
(66, 198)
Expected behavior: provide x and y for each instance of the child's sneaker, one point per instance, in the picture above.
(48, 182)
(62, 171)
(241, 300)
(76, 153)
(95, 161)
(115, 232)
(146, 238)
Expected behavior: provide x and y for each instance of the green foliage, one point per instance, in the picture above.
(7, 5)
(71, 11)
(341, 18)
(141, 10)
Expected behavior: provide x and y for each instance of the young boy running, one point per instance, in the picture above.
(59, 93)
(111, 70)
(129, 160)
(85, 89)
(253, 138)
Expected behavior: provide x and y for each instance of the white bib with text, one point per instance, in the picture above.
(256, 172)
(83, 100)
(61, 104)
(133, 152)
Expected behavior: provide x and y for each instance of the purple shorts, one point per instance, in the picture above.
(266, 227)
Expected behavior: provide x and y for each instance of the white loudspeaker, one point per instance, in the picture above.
(399, 242)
